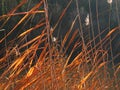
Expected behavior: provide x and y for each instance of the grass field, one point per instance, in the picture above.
(32, 58)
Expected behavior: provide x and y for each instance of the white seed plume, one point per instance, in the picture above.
(2, 30)
(87, 20)
(54, 39)
(109, 1)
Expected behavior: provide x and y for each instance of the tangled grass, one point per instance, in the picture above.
(41, 63)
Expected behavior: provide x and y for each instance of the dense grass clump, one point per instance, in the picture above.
(34, 57)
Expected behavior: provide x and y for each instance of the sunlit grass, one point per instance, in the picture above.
(42, 63)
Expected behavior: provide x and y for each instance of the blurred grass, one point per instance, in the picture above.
(41, 63)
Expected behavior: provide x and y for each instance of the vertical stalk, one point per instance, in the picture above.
(53, 78)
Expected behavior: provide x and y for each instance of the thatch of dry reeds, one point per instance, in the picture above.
(41, 62)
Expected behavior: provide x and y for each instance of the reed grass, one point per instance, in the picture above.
(42, 63)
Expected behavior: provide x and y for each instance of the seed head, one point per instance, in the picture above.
(109, 1)
(87, 20)
(54, 39)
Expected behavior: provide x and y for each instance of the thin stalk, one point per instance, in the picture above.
(49, 46)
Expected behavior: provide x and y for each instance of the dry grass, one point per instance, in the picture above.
(42, 64)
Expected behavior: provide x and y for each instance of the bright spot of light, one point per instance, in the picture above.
(109, 1)
(54, 39)
(87, 20)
